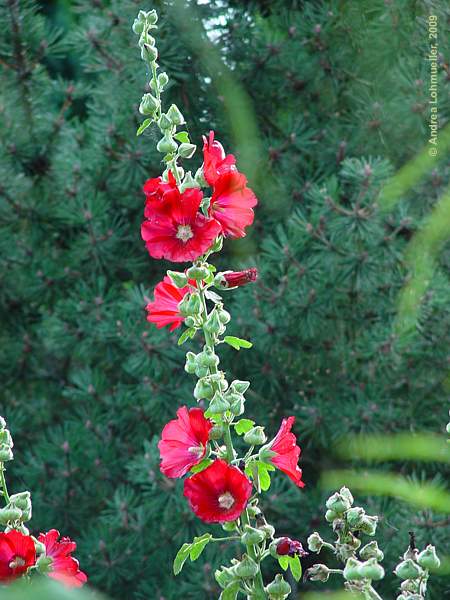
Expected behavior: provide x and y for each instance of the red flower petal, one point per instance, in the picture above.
(232, 202)
(17, 554)
(287, 452)
(64, 567)
(214, 160)
(164, 308)
(183, 441)
(219, 493)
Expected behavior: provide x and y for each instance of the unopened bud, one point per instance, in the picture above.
(186, 150)
(216, 432)
(164, 122)
(167, 145)
(255, 436)
(371, 570)
(149, 53)
(6, 453)
(224, 316)
(213, 324)
(9, 514)
(338, 503)
(163, 79)
(352, 570)
(408, 569)
(278, 589)
(371, 550)
(179, 280)
(315, 542)
(318, 572)
(197, 272)
(229, 526)
(188, 183)
(247, 568)
(240, 387)
(203, 390)
(151, 17)
(252, 536)
(369, 525)
(175, 115)
(428, 559)
(237, 404)
(218, 405)
(330, 516)
(355, 516)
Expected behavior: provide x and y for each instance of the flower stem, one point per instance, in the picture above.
(251, 551)
(3, 483)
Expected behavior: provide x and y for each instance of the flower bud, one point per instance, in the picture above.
(203, 389)
(371, 570)
(338, 503)
(179, 280)
(369, 525)
(278, 589)
(186, 150)
(44, 564)
(224, 316)
(371, 550)
(236, 404)
(218, 243)
(218, 405)
(315, 542)
(191, 363)
(22, 501)
(428, 559)
(213, 324)
(268, 530)
(197, 273)
(9, 514)
(163, 79)
(201, 371)
(408, 569)
(175, 115)
(330, 516)
(253, 510)
(345, 551)
(229, 526)
(352, 570)
(318, 573)
(410, 585)
(240, 387)
(233, 279)
(216, 432)
(6, 453)
(207, 358)
(252, 536)
(190, 322)
(5, 438)
(164, 122)
(286, 547)
(247, 568)
(151, 17)
(167, 145)
(346, 493)
(255, 436)
(224, 576)
(355, 516)
(188, 183)
(149, 53)
(138, 26)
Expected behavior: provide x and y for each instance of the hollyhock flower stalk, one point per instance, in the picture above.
(183, 223)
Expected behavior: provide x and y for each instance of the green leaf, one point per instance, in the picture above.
(236, 343)
(243, 425)
(198, 545)
(296, 567)
(143, 126)
(212, 295)
(201, 465)
(181, 557)
(189, 333)
(230, 592)
(284, 562)
(183, 137)
(264, 477)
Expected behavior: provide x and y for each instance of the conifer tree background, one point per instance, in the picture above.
(339, 92)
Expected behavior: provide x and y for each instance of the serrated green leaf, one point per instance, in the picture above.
(201, 466)
(230, 592)
(198, 545)
(143, 126)
(296, 567)
(189, 333)
(284, 562)
(243, 425)
(237, 343)
(264, 477)
(181, 557)
(183, 137)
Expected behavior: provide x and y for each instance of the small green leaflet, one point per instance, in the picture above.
(143, 126)
(192, 551)
(189, 333)
(201, 465)
(212, 295)
(243, 425)
(236, 343)
(256, 467)
(292, 562)
(230, 592)
(183, 137)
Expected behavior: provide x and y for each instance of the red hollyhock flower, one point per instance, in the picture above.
(17, 554)
(231, 203)
(233, 279)
(64, 568)
(164, 308)
(158, 193)
(286, 546)
(177, 231)
(287, 452)
(183, 441)
(215, 162)
(219, 493)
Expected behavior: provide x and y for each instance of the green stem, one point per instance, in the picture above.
(251, 551)
(3, 483)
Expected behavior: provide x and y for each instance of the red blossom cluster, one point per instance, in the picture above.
(18, 555)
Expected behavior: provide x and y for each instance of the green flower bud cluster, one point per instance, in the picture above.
(246, 568)
(356, 570)
(414, 569)
(278, 589)
(17, 511)
(200, 364)
(6, 443)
